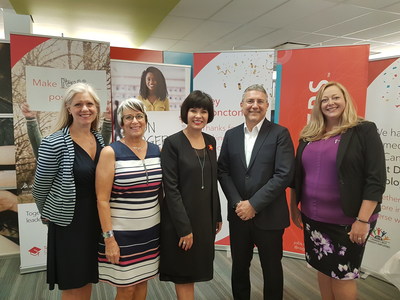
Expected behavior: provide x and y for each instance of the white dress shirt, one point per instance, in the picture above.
(250, 139)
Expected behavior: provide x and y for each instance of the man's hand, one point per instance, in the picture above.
(245, 211)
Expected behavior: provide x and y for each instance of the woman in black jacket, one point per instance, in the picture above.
(340, 178)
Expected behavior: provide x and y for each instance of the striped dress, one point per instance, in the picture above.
(135, 214)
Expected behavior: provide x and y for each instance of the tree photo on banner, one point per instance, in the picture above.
(225, 76)
(9, 238)
(168, 84)
(42, 68)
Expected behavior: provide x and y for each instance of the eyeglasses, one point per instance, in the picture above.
(252, 101)
(129, 118)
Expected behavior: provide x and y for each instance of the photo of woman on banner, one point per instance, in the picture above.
(340, 178)
(128, 183)
(153, 90)
(64, 191)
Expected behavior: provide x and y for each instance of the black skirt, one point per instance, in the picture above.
(329, 249)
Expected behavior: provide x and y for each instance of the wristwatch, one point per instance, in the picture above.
(108, 234)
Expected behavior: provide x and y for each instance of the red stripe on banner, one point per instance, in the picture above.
(377, 66)
(201, 60)
(136, 54)
(226, 241)
(304, 71)
(22, 44)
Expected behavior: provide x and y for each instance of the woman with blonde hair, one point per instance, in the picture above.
(64, 191)
(339, 180)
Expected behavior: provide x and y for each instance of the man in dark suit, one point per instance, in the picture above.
(254, 168)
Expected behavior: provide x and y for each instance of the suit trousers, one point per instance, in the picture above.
(243, 236)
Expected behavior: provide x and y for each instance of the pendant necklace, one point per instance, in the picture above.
(134, 147)
(202, 163)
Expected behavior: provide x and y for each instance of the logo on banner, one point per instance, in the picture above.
(35, 251)
(380, 237)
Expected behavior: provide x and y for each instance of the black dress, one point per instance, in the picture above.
(180, 161)
(72, 249)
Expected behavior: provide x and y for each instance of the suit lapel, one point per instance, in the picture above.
(240, 138)
(262, 135)
(343, 145)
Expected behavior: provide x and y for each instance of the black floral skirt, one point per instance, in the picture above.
(329, 249)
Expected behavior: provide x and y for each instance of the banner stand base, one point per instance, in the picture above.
(32, 269)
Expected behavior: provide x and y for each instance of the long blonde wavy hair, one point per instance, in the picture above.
(65, 119)
(316, 129)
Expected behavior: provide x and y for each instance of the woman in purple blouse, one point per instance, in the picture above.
(340, 179)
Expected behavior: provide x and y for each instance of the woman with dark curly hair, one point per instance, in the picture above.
(153, 90)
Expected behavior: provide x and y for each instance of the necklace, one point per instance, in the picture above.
(137, 148)
(202, 163)
(134, 147)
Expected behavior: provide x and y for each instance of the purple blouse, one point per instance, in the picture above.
(320, 198)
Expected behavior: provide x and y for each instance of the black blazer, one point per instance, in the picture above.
(177, 181)
(360, 165)
(264, 181)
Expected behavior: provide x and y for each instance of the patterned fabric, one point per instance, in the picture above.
(54, 187)
(135, 215)
(329, 249)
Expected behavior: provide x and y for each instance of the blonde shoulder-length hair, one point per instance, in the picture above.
(316, 129)
(65, 118)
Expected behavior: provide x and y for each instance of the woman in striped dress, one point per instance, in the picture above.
(128, 181)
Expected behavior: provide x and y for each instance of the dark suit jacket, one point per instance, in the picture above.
(177, 181)
(361, 168)
(264, 181)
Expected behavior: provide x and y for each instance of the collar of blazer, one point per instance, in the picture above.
(345, 139)
(343, 145)
(69, 143)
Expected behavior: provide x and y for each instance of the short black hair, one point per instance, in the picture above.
(197, 99)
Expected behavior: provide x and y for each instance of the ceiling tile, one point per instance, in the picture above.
(202, 9)
(340, 41)
(372, 19)
(311, 39)
(245, 11)
(175, 27)
(390, 38)
(375, 4)
(244, 34)
(328, 17)
(209, 31)
(291, 11)
(274, 39)
(393, 8)
(374, 32)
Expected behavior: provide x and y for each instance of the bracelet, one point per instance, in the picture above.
(362, 221)
(108, 234)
